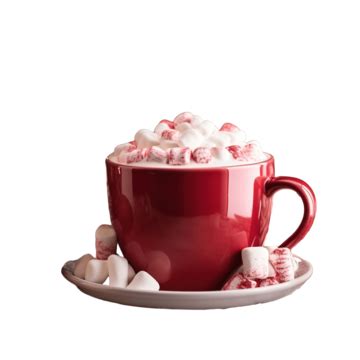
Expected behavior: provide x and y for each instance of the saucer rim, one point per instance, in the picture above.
(67, 272)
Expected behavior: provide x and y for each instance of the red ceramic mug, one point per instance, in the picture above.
(186, 227)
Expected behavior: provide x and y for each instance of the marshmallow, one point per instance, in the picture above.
(146, 138)
(170, 135)
(167, 144)
(134, 156)
(124, 147)
(237, 138)
(202, 155)
(220, 138)
(196, 120)
(253, 152)
(160, 127)
(237, 152)
(268, 281)
(272, 272)
(163, 125)
(96, 271)
(143, 281)
(157, 154)
(229, 127)
(118, 271)
(239, 281)
(191, 138)
(255, 262)
(131, 273)
(221, 154)
(183, 117)
(105, 241)
(281, 260)
(206, 128)
(183, 127)
(80, 267)
(179, 156)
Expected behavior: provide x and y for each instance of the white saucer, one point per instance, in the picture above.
(190, 299)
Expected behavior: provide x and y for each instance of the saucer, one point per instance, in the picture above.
(190, 299)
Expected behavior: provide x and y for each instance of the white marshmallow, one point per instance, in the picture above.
(183, 127)
(160, 127)
(96, 271)
(167, 144)
(220, 139)
(146, 138)
(237, 137)
(191, 138)
(272, 271)
(131, 273)
(196, 120)
(221, 154)
(206, 128)
(81, 265)
(143, 281)
(118, 271)
(105, 241)
(255, 262)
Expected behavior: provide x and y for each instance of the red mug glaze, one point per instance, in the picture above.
(187, 227)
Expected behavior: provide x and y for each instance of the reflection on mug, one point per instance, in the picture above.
(159, 266)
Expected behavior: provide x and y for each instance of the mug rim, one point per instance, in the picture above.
(184, 169)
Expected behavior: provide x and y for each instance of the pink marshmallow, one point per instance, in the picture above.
(236, 152)
(282, 261)
(229, 127)
(170, 135)
(157, 154)
(105, 242)
(239, 281)
(179, 156)
(135, 156)
(183, 117)
(202, 155)
(268, 281)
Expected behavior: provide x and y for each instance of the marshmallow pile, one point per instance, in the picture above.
(108, 264)
(263, 266)
(188, 140)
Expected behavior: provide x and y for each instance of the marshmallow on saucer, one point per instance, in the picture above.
(268, 281)
(146, 138)
(143, 281)
(282, 261)
(239, 281)
(96, 271)
(105, 241)
(118, 271)
(81, 265)
(255, 262)
(131, 273)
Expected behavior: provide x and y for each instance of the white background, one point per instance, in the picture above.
(78, 77)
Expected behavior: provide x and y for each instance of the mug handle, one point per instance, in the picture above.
(274, 184)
